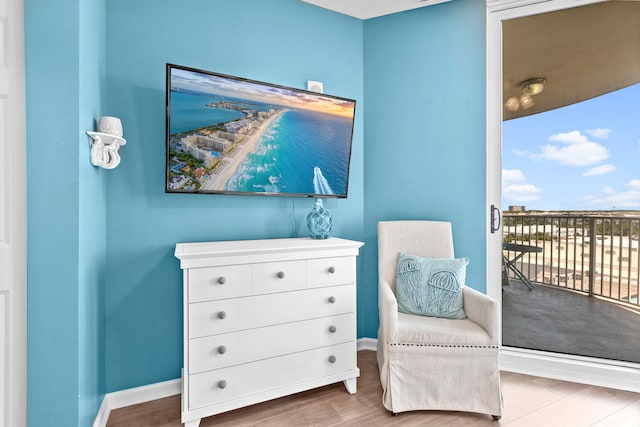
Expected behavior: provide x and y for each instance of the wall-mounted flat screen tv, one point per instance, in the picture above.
(231, 135)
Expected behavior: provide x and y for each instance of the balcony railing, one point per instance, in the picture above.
(593, 254)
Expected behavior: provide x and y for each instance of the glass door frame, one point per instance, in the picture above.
(606, 373)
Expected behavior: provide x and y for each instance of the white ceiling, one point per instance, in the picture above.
(365, 9)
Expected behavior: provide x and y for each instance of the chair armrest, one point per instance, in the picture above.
(482, 310)
(388, 310)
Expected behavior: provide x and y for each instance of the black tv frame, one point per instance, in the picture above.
(204, 134)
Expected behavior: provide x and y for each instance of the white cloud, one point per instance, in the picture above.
(522, 193)
(584, 154)
(576, 151)
(573, 137)
(600, 170)
(522, 153)
(512, 175)
(608, 198)
(515, 188)
(599, 133)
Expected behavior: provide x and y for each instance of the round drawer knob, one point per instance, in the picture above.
(332, 270)
(332, 299)
(222, 384)
(222, 349)
(332, 329)
(222, 315)
(222, 280)
(332, 359)
(280, 274)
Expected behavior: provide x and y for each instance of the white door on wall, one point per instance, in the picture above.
(13, 331)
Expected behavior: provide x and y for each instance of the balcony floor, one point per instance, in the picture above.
(561, 321)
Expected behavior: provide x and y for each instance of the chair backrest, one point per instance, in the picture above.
(429, 239)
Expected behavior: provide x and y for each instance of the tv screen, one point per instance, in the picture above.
(231, 135)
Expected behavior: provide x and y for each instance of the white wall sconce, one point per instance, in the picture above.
(106, 142)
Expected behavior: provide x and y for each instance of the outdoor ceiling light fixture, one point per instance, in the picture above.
(533, 86)
(529, 87)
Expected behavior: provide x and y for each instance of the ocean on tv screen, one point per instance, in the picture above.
(229, 144)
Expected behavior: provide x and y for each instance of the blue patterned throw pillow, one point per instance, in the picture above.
(431, 286)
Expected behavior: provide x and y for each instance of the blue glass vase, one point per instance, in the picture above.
(319, 221)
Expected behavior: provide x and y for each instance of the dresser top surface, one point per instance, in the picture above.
(248, 247)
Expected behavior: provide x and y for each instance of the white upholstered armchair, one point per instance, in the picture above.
(430, 362)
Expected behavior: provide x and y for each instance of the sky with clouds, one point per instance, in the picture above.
(582, 157)
(257, 91)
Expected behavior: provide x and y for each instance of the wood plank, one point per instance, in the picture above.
(529, 401)
(629, 416)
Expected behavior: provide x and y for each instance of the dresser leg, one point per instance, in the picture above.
(351, 385)
(194, 423)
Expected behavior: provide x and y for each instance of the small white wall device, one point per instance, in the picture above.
(313, 86)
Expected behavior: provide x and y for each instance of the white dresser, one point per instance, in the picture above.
(264, 319)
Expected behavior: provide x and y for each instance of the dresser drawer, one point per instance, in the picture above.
(219, 351)
(219, 282)
(331, 271)
(221, 385)
(270, 277)
(217, 317)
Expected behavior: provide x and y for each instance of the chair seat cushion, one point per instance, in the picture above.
(414, 329)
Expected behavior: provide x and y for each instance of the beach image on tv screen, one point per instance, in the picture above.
(231, 135)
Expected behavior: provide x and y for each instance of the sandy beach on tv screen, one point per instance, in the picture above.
(230, 163)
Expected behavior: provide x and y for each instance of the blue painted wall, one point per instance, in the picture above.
(92, 220)
(66, 205)
(104, 289)
(424, 85)
(52, 214)
(280, 41)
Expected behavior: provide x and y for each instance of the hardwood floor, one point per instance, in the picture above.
(528, 401)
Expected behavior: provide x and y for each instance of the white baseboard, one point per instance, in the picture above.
(367, 344)
(133, 396)
(103, 414)
(577, 369)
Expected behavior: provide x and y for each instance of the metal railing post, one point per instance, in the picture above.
(592, 255)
